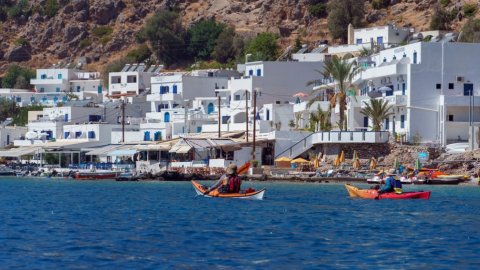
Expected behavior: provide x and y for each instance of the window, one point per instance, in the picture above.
(389, 92)
(19, 99)
(415, 57)
(43, 76)
(365, 122)
(450, 117)
(404, 88)
(387, 124)
(199, 129)
(268, 115)
(132, 79)
(78, 134)
(94, 118)
(78, 88)
(451, 86)
(59, 76)
(402, 121)
(166, 117)
(65, 117)
(259, 72)
(116, 80)
(174, 88)
(91, 134)
(359, 41)
(42, 89)
(146, 136)
(379, 40)
(237, 97)
(468, 89)
(66, 135)
(57, 89)
(384, 59)
(157, 136)
(250, 72)
(438, 86)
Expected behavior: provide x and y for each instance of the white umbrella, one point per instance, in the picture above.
(384, 89)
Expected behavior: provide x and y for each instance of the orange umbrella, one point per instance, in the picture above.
(356, 164)
(373, 164)
(342, 157)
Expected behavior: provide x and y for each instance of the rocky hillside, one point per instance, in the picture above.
(102, 30)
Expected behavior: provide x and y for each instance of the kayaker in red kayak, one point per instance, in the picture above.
(229, 183)
(391, 184)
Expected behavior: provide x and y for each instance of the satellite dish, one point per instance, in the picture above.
(31, 135)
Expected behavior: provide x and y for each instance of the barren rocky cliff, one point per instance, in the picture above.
(68, 34)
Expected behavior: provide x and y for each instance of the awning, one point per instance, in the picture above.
(102, 151)
(22, 151)
(153, 147)
(180, 149)
(122, 152)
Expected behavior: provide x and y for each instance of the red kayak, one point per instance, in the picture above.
(373, 194)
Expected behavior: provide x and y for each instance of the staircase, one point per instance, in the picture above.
(298, 148)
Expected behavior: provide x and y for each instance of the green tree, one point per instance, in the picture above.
(263, 47)
(8, 108)
(19, 9)
(20, 118)
(166, 35)
(202, 38)
(139, 54)
(13, 73)
(342, 13)
(342, 71)
(225, 49)
(51, 8)
(318, 10)
(470, 31)
(470, 9)
(377, 110)
(440, 19)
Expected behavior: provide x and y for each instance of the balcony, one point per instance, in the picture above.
(164, 97)
(395, 100)
(350, 137)
(48, 81)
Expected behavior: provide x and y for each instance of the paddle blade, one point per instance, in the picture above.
(243, 169)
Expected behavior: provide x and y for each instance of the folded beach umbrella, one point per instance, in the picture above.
(342, 157)
(395, 164)
(356, 164)
(354, 155)
(299, 160)
(336, 162)
(373, 163)
(418, 165)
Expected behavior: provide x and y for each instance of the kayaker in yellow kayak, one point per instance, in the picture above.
(228, 183)
(391, 184)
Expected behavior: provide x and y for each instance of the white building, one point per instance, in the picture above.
(182, 102)
(132, 80)
(429, 84)
(10, 133)
(274, 82)
(52, 86)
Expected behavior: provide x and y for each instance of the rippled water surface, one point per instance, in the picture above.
(56, 224)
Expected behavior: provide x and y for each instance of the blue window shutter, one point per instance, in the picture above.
(91, 134)
(250, 72)
(65, 118)
(174, 88)
(259, 72)
(66, 134)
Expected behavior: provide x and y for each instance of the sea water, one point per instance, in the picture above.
(67, 224)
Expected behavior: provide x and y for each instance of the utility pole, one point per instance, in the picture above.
(246, 114)
(254, 121)
(123, 121)
(219, 119)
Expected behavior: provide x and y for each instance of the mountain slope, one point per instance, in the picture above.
(102, 30)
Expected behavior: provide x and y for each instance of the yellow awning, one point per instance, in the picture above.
(280, 159)
(299, 160)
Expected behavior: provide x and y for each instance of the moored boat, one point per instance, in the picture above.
(373, 194)
(255, 195)
(96, 175)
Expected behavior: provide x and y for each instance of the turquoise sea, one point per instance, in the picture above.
(66, 224)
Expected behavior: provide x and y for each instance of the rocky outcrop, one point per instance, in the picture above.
(105, 11)
(61, 36)
(18, 54)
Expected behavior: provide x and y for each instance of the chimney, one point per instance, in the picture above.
(350, 34)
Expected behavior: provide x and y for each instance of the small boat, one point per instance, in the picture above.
(373, 194)
(6, 171)
(96, 175)
(127, 176)
(443, 181)
(451, 176)
(255, 195)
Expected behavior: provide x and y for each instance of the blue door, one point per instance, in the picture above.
(166, 117)
(404, 88)
(468, 89)
(259, 72)
(199, 129)
(174, 88)
(99, 89)
(379, 40)
(268, 115)
(402, 121)
(210, 108)
(365, 122)
(415, 57)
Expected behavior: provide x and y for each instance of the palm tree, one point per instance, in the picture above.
(342, 71)
(320, 120)
(377, 110)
